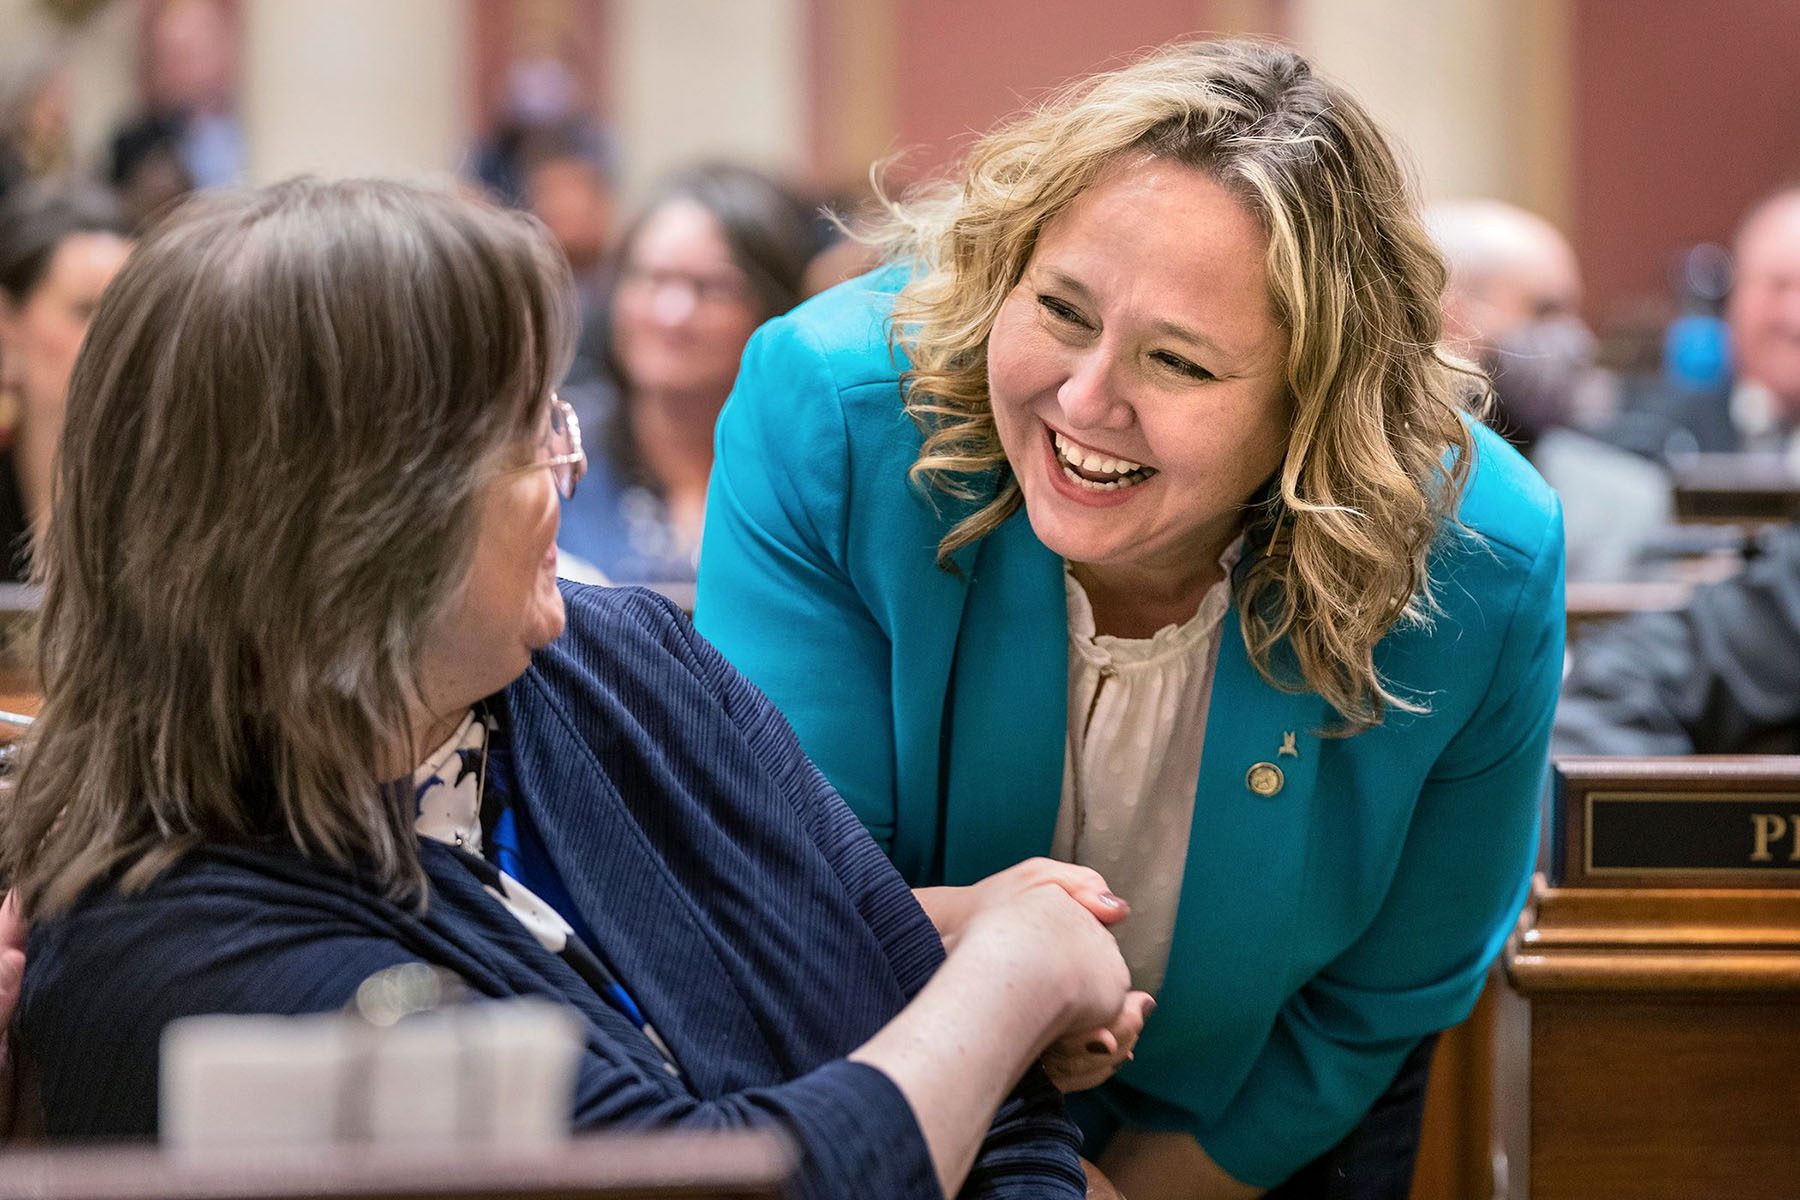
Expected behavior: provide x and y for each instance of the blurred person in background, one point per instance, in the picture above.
(59, 248)
(1764, 317)
(188, 134)
(1719, 676)
(716, 251)
(34, 115)
(1722, 674)
(542, 116)
(1513, 306)
(569, 187)
(1757, 410)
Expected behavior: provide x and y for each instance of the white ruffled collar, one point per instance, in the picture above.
(1118, 653)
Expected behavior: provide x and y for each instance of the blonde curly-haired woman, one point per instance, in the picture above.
(1133, 517)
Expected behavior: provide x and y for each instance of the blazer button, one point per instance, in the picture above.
(1265, 779)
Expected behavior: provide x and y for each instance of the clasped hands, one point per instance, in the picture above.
(1076, 1061)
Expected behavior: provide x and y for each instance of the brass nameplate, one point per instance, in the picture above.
(1729, 835)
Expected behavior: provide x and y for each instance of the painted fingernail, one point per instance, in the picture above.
(1131, 1056)
(1096, 1047)
(1110, 900)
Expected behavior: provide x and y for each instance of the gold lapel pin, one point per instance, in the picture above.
(1287, 746)
(1264, 778)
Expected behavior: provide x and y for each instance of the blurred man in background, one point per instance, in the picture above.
(1764, 314)
(188, 134)
(567, 184)
(1756, 408)
(1512, 306)
(1721, 676)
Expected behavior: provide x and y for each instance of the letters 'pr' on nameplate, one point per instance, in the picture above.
(1733, 838)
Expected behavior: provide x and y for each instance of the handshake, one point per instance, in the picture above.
(1058, 915)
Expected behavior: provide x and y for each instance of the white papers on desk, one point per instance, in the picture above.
(494, 1072)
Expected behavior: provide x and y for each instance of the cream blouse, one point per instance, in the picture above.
(1137, 721)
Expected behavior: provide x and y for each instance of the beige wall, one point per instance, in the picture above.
(699, 78)
(1475, 89)
(354, 87)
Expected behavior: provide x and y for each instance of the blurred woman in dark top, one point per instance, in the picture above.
(717, 250)
(59, 248)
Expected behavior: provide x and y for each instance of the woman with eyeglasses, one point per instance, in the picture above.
(316, 705)
(716, 251)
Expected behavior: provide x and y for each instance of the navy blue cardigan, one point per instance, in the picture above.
(761, 930)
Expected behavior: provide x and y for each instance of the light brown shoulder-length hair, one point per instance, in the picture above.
(1379, 449)
(278, 429)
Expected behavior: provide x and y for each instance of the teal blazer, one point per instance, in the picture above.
(1323, 929)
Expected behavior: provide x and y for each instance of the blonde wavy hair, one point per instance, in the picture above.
(1379, 451)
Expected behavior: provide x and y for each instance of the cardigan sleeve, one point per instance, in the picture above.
(1033, 1148)
(292, 948)
(1463, 874)
(207, 949)
(774, 594)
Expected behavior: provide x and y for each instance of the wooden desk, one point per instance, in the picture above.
(1456, 1136)
(648, 1166)
(1660, 1003)
(1735, 488)
(1589, 604)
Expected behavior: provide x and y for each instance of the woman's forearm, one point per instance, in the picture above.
(947, 907)
(1021, 975)
(957, 1050)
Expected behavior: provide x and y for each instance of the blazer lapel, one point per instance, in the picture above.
(1009, 696)
(921, 621)
(1247, 854)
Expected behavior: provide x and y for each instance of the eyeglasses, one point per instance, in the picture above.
(704, 290)
(561, 449)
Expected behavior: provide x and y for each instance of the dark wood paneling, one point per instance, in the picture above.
(1636, 1098)
(1456, 1139)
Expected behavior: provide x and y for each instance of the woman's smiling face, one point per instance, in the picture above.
(1137, 375)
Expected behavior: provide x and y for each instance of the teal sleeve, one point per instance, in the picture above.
(1463, 876)
(774, 595)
